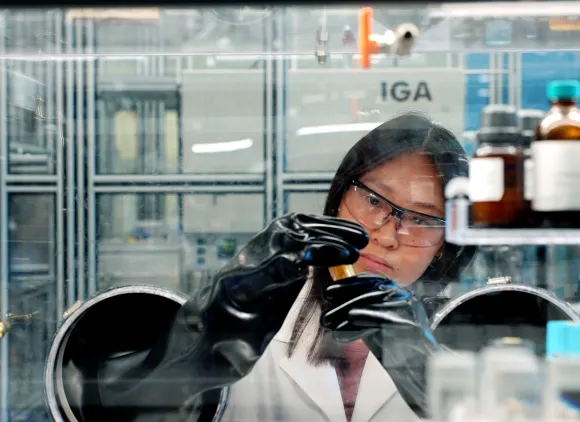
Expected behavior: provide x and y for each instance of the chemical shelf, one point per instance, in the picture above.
(457, 231)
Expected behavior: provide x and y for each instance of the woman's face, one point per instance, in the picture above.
(411, 182)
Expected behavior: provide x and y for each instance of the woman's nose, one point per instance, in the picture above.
(386, 235)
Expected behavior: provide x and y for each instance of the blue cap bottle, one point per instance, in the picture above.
(562, 339)
(563, 90)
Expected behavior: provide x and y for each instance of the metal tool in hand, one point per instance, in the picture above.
(12, 319)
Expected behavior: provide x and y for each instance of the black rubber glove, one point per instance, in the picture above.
(393, 324)
(218, 335)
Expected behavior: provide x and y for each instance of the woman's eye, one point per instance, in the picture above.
(373, 200)
(419, 221)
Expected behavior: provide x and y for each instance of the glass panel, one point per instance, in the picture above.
(143, 238)
(341, 25)
(217, 226)
(187, 31)
(199, 91)
(217, 126)
(34, 124)
(223, 122)
(32, 296)
(138, 137)
(139, 240)
(221, 114)
(31, 228)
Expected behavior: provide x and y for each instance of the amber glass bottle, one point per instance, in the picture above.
(529, 119)
(496, 170)
(556, 156)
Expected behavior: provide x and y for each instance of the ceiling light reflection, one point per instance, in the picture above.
(221, 146)
(351, 127)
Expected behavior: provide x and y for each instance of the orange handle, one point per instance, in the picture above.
(366, 46)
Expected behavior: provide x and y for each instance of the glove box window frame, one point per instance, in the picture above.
(54, 393)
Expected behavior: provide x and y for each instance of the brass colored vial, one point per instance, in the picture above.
(342, 271)
(4, 328)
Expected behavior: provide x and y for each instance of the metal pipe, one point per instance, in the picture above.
(512, 79)
(307, 187)
(59, 147)
(280, 150)
(46, 179)
(269, 122)
(4, 262)
(70, 169)
(179, 189)
(90, 168)
(31, 189)
(147, 179)
(80, 163)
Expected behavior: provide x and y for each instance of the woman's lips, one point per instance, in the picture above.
(374, 264)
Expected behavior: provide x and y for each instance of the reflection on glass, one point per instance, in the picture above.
(223, 121)
(31, 233)
(33, 123)
(217, 226)
(137, 137)
(332, 109)
(139, 240)
(143, 238)
(32, 292)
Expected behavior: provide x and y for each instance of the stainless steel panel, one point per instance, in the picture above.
(223, 121)
(31, 230)
(330, 110)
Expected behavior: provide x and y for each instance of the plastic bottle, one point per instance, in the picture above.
(451, 385)
(496, 170)
(510, 386)
(556, 156)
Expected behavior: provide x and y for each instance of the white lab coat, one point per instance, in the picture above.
(282, 389)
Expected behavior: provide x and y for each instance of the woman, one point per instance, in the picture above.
(392, 183)
(259, 328)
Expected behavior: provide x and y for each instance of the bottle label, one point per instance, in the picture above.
(486, 179)
(528, 179)
(556, 175)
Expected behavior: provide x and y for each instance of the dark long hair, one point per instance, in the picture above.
(404, 134)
